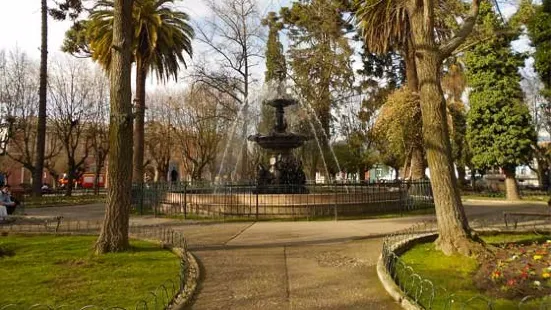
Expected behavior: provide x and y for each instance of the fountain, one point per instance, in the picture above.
(280, 189)
(285, 174)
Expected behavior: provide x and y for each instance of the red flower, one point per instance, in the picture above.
(511, 282)
(524, 275)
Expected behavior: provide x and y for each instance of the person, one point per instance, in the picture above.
(6, 200)
(3, 212)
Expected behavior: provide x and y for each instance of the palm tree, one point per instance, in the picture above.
(161, 37)
(425, 20)
(385, 26)
(41, 124)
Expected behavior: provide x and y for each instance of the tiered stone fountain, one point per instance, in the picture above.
(285, 174)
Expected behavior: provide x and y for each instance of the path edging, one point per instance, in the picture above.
(386, 280)
(185, 296)
(392, 289)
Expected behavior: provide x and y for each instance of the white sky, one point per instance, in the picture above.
(20, 25)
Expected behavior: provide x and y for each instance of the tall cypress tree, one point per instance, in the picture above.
(539, 31)
(276, 67)
(499, 127)
(538, 23)
(275, 60)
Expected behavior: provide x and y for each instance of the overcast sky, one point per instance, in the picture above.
(20, 25)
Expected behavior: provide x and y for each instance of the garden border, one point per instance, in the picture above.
(167, 238)
(396, 244)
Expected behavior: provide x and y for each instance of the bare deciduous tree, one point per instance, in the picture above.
(159, 134)
(200, 125)
(19, 95)
(71, 92)
(234, 35)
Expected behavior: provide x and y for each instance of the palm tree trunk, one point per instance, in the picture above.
(417, 152)
(453, 228)
(114, 232)
(41, 124)
(141, 76)
(511, 186)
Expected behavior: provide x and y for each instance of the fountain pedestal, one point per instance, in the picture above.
(285, 174)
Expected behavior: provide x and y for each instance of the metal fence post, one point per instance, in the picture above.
(335, 201)
(256, 203)
(185, 200)
(141, 199)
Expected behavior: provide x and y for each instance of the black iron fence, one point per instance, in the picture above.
(289, 201)
(163, 297)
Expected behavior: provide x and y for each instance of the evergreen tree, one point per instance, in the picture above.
(320, 60)
(539, 31)
(499, 127)
(276, 67)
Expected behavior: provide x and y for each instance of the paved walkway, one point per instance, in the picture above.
(290, 265)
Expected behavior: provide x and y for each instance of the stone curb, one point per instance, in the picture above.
(182, 300)
(392, 289)
(386, 280)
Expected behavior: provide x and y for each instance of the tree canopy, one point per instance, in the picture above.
(499, 128)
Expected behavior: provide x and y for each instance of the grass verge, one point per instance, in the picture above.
(60, 201)
(502, 198)
(62, 270)
(452, 276)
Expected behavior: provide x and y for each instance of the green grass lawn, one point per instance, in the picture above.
(502, 197)
(63, 270)
(454, 274)
(59, 201)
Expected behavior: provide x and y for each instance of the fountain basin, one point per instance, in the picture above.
(282, 205)
(279, 141)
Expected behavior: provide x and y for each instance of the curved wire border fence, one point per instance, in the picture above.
(165, 296)
(422, 292)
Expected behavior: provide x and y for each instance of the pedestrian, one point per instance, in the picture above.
(6, 200)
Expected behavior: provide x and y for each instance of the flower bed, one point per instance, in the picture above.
(518, 278)
(518, 270)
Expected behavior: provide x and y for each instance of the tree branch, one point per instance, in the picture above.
(447, 48)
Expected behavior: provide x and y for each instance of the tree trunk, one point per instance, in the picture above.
(114, 232)
(41, 124)
(542, 170)
(406, 169)
(70, 182)
(453, 228)
(141, 76)
(511, 186)
(461, 173)
(417, 153)
(473, 178)
(417, 162)
(99, 166)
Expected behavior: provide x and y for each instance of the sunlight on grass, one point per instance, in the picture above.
(63, 270)
(455, 274)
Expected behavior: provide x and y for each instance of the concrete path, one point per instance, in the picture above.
(290, 265)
